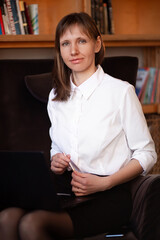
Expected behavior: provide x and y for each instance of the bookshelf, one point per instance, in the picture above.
(136, 25)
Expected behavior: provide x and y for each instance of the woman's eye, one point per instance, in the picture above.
(64, 44)
(82, 41)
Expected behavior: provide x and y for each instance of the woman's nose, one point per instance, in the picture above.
(74, 49)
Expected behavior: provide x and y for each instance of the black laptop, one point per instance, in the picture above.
(25, 181)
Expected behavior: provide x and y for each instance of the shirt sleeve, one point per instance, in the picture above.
(51, 114)
(136, 130)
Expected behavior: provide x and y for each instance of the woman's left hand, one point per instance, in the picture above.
(86, 183)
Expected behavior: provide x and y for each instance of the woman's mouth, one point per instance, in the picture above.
(76, 60)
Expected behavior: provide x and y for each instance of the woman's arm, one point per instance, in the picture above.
(137, 134)
(84, 183)
(127, 173)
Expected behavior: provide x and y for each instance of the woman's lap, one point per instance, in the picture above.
(107, 212)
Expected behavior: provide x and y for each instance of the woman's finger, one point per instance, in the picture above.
(59, 162)
(78, 191)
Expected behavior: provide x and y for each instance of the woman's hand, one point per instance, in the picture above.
(59, 163)
(86, 183)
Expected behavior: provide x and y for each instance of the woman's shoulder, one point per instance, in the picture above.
(115, 84)
(110, 81)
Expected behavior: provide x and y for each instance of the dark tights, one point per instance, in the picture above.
(9, 220)
(16, 224)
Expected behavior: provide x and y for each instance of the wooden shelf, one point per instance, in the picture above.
(27, 41)
(47, 41)
(131, 40)
(151, 108)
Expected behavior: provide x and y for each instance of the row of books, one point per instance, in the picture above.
(17, 17)
(102, 13)
(148, 85)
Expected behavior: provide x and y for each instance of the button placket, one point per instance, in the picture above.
(76, 116)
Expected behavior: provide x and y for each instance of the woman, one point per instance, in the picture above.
(97, 129)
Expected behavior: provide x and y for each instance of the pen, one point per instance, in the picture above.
(63, 194)
(70, 164)
(114, 235)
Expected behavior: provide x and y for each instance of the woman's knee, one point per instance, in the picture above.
(30, 225)
(9, 220)
(10, 216)
(4, 218)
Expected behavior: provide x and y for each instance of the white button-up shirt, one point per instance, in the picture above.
(101, 126)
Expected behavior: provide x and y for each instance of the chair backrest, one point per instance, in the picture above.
(122, 67)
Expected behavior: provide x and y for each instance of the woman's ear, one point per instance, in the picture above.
(98, 44)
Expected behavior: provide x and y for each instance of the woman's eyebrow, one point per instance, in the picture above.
(77, 38)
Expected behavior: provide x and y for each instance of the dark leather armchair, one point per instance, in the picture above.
(24, 125)
(145, 219)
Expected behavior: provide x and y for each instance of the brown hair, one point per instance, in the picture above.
(61, 73)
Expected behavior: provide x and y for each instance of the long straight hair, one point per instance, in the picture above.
(61, 73)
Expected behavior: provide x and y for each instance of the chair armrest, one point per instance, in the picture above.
(145, 216)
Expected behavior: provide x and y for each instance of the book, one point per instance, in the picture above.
(101, 16)
(97, 14)
(105, 15)
(24, 20)
(143, 90)
(29, 24)
(149, 87)
(110, 17)
(15, 16)
(157, 97)
(6, 22)
(20, 18)
(93, 9)
(0, 30)
(33, 12)
(153, 93)
(142, 74)
(1, 21)
(10, 17)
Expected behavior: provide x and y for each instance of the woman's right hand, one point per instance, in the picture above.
(59, 163)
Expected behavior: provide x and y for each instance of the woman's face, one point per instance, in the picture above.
(78, 50)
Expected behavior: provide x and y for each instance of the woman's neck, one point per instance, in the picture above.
(80, 77)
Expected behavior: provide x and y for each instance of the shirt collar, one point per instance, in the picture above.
(88, 86)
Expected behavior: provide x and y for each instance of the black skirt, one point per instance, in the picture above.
(104, 212)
